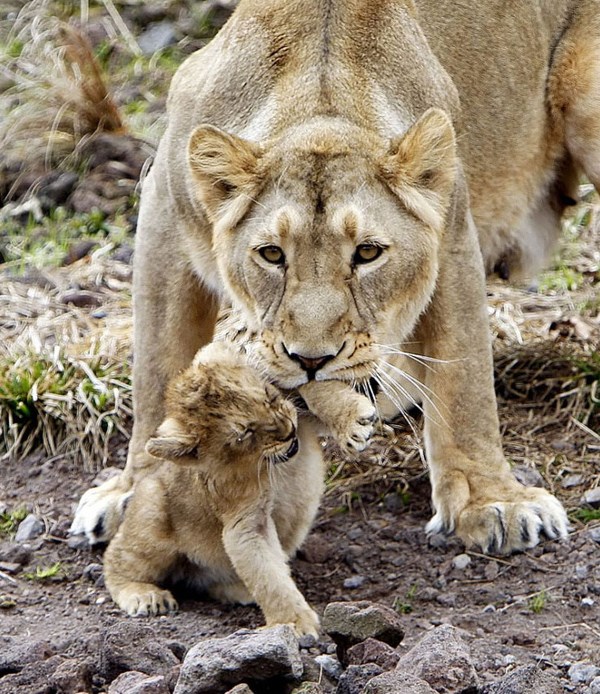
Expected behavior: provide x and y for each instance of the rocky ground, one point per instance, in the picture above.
(400, 613)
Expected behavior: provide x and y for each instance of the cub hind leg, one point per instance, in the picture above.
(574, 88)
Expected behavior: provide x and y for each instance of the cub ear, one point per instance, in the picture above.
(420, 167)
(171, 441)
(225, 167)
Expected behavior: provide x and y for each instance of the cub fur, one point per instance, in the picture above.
(235, 496)
(344, 172)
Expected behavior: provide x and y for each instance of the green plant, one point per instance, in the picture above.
(404, 606)
(538, 602)
(585, 515)
(43, 573)
(9, 520)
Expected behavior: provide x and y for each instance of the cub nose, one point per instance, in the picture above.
(311, 364)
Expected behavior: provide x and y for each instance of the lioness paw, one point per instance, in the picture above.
(304, 622)
(149, 602)
(100, 511)
(353, 429)
(502, 527)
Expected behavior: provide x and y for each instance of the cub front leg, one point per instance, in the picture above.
(474, 491)
(252, 544)
(348, 415)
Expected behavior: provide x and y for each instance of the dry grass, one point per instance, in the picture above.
(65, 375)
(59, 98)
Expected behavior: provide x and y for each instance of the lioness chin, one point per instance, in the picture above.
(311, 173)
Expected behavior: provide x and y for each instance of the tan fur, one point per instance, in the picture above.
(321, 127)
(230, 504)
(218, 502)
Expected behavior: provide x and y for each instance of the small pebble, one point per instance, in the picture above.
(581, 571)
(583, 672)
(595, 686)
(354, 533)
(101, 600)
(592, 497)
(331, 666)
(509, 660)
(489, 608)
(307, 641)
(594, 533)
(461, 561)
(354, 582)
(573, 481)
(587, 602)
(29, 528)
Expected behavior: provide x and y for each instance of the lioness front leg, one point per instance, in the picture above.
(252, 544)
(174, 315)
(475, 494)
(349, 416)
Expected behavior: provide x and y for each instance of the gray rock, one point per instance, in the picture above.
(133, 645)
(595, 686)
(240, 689)
(29, 528)
(528, 476)
(572, 481)
(156, 37)
(373, 651)
(355, 678)
(583, 672)
(594, 533)
(214, 664)
(349, 623)
(442, 659)
(33, 678)
(461, 561)
(592, 497)
(16, 653)
(74, 675)
(308, 688)
(330, 665)
(396, 682)
(138, 683)
(354, 582)
(528, 679)
(14, 553)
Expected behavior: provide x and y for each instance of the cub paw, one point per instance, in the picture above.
(354, 427)
(100, 512)
(153, 601)
(304, 622)
(502, 527)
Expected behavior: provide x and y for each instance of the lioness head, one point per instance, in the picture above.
(327, 238)
(220, 411)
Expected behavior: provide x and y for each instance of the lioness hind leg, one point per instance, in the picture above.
(574, 89)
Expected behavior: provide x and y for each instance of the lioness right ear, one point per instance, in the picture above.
(171, 441)
(225, 167)
(421, 166)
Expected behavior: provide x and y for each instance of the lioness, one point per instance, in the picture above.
(310, 173)
(233, 499)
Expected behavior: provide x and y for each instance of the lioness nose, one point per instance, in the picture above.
(311, 364)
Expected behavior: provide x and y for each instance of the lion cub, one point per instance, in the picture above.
(235, 497)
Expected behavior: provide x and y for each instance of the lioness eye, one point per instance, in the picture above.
(272, 254)
(367, 253)
(244, 435)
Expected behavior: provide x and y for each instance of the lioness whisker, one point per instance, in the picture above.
(394, 397)
(424, 390)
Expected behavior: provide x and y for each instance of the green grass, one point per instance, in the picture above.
(44, 573)
(538, 602)
(9, 520)
(47, 242)
(404, 605)
(585, 515)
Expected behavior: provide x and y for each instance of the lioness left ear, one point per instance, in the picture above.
(420, 167)
(225, 167)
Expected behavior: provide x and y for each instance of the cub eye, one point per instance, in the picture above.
(244, 436)
(272, 254)
(366, 253)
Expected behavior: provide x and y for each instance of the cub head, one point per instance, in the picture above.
(220, 410)
(327, 238)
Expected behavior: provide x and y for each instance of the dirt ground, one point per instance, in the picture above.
(378, 542)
